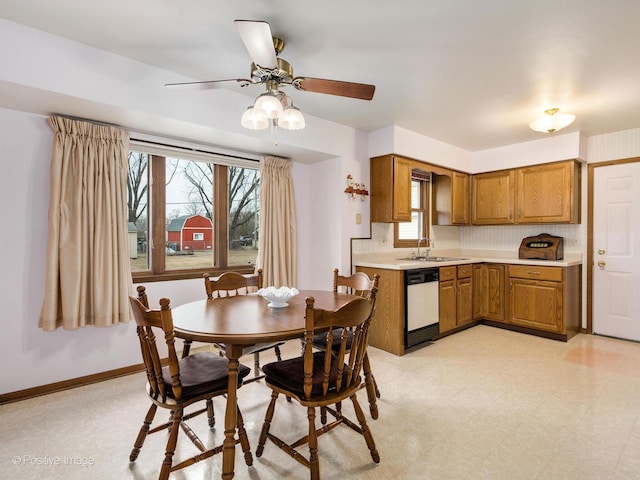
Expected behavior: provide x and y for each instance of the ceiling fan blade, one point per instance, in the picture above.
(256, 36)
(207, 85)
(335, 87)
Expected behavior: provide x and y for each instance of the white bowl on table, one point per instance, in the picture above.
(277, 297)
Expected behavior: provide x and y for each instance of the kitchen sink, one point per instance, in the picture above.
(433, 259)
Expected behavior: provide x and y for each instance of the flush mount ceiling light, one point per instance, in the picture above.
(552, 121)
(272, 108)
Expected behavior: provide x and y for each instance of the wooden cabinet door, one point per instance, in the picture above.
(547, 193)
(536, 304)
(460, 198)
(465, 301)
(390, 189)
(448, 305)
(494, 292)
(493, 197)
(401, 190)
(479, 290)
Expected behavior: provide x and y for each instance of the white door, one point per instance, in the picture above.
(616, 256)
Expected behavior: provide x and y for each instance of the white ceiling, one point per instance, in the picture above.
(468, 73)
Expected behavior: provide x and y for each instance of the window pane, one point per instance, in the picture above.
(189, 229)
(415, 194)
(243, 215)
(137, 212)
(411, 230)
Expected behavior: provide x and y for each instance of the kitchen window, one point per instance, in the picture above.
(190, 212)
(407, 234)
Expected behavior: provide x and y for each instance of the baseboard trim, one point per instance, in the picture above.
(80, 381)
(67, 384)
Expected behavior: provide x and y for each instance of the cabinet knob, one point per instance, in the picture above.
(601, 264)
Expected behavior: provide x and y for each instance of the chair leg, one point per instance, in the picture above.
(142, 434)
(256, 364)
(171, 445)
(210, 413)
(372, 390)
(278, 355)
(244, 440)
(314, 463)
(267, 424)
(375, 456)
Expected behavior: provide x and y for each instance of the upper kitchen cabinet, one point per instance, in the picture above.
(451, 199)
(390, 189)
(493, 198)
(549, 193)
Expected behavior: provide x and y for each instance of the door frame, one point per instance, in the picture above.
(589, 261)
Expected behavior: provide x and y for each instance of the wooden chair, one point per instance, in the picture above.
(233, 283)
(356, 284)
(322, 378)
(192, 379)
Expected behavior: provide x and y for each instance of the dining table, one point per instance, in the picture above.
(239, 321)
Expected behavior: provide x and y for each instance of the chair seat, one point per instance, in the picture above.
(289, 374)
(201, 373)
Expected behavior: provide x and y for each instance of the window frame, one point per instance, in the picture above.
(425, 204)
(156, 208)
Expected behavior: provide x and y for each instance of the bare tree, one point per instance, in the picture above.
(243, 184)
(200, 176)
(137, 185)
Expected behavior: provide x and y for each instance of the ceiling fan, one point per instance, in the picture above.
(273, 72)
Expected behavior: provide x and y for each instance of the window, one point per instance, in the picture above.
(407, 234)
(190, 213)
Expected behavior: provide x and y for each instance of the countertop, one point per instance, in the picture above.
(397, 260)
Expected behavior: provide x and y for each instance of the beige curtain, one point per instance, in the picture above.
(277, 251)
(88, 275)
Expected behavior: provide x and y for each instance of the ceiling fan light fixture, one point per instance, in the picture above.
(552, 121)
(270, 104)
(254, 119)
(291, 119)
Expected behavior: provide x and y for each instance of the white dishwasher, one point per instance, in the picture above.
(422, 311)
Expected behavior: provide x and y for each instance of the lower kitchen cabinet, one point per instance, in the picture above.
(545, 299)
(387, 327)
(456, 297)
(488, 291)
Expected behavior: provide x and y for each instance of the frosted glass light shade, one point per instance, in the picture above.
(254, 119)
(552, 121)
(291, 119)
(270, 104)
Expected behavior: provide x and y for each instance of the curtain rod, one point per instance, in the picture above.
(196, 150)
(160, 144)
(95, 122)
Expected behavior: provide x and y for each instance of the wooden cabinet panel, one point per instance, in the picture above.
(536, 304)
(448, 305)
(460, 199)
(493, 198)
(535, 272)
(390, 189)
(548, 193)
(456, 297)
(387, 327)
(488, 296)
(465, 301)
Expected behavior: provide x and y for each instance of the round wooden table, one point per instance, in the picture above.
(245, 320)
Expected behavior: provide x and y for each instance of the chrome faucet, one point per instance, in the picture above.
(429, 246)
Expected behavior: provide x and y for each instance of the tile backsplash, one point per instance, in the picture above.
(502, 237)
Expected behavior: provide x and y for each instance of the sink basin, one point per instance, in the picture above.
(433, 259)
(443, 259)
